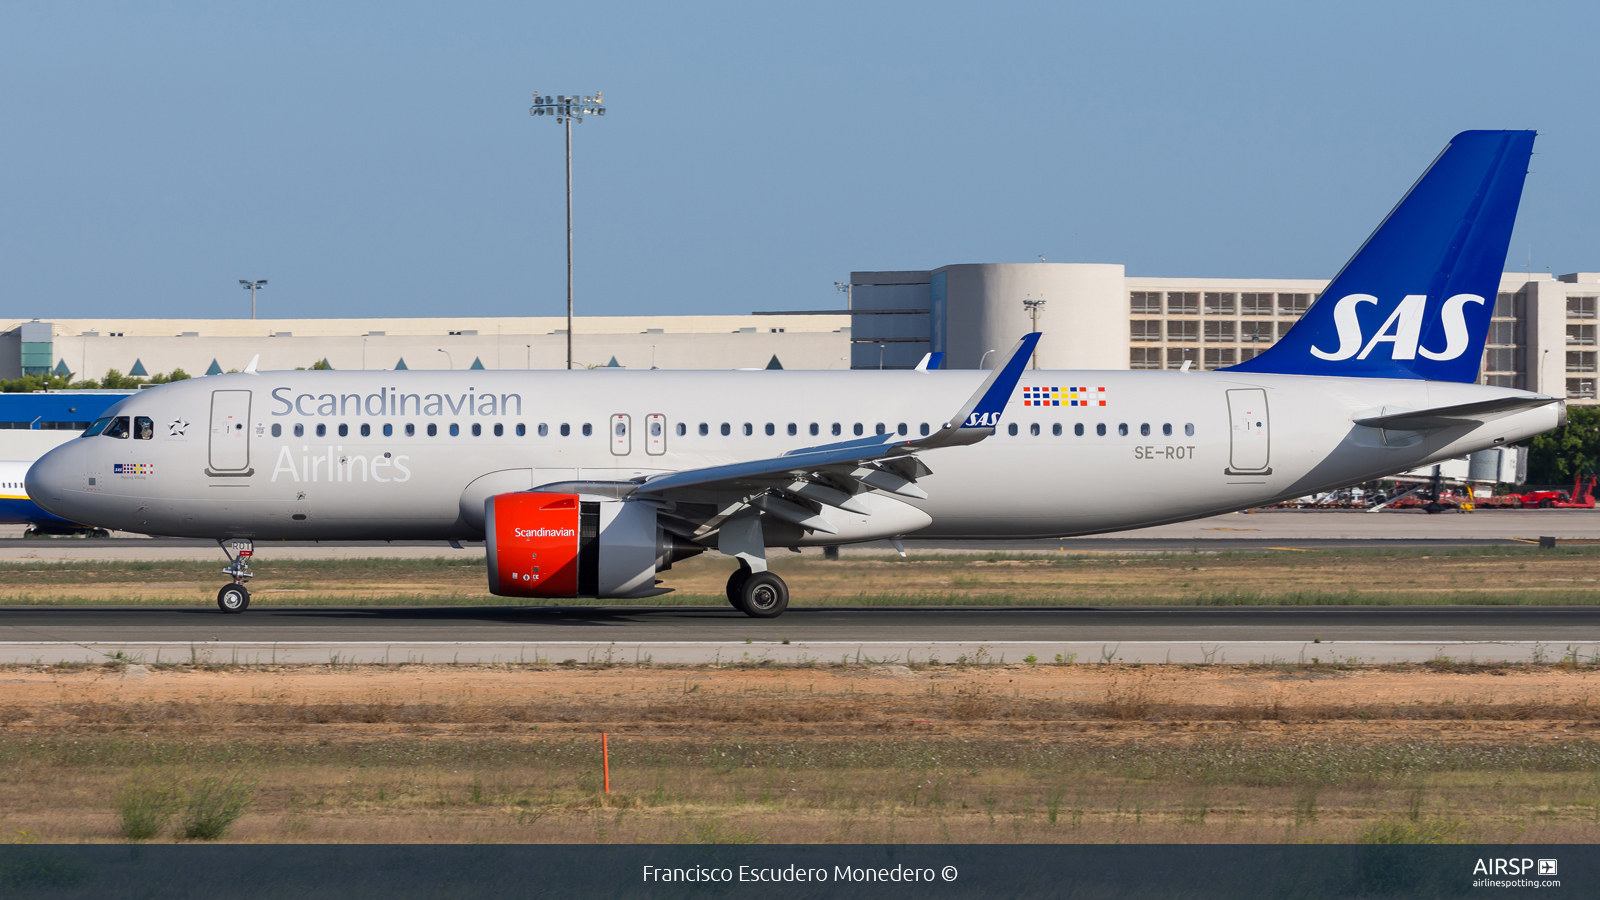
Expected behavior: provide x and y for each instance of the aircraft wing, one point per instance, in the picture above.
(797, 485)
(1453, 416)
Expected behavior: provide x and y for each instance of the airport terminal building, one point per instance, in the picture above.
(1093, 316)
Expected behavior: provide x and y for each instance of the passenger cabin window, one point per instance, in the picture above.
(1188, 430)
(1123, 429)
(1078, 429)
(433, 430)
(322, 430)
(838, 429)
(859, 430)
(793, 429)
(499, 430)
(1056, 429)
(118, 428)
(366, 429)
(904, 429)
(1012, 429)
(522, 430)
(587, 429)
(144, 428)
(815, 429)
(1167, 429)
(566, 430)
(544, 430)
(1144, 429)
(1034, 429)
(411, 429)
(299, 430)
(344, 430)
(749, 429)
(388, 430)
(455, 430)
(924, 429)
(726, 429)
(683, 429)
(771, 429)
(277, 430)
(1100, 429)
(704, 429)
(477, 429)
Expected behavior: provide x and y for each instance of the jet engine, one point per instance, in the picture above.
(544, 544)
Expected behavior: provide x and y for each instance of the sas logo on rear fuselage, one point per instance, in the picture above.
(1402, 331)
(982, 420)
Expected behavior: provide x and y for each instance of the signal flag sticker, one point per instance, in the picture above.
(1069, 396)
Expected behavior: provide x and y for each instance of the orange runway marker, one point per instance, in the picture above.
(605, 755)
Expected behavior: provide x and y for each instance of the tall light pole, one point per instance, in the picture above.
(448, 357)
(251, 286)
(566, 109)
(848, 290)
(1033, 307)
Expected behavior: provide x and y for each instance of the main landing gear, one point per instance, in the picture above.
(234, 598)
(761, 595)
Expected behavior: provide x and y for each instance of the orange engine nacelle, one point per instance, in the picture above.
(547, 544)
(533, 544)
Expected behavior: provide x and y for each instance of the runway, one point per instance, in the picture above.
(322, 635)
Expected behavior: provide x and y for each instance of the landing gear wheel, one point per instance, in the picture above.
(736, 585)
(233, 598)
(763, 596)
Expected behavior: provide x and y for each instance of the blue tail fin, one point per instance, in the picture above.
(1415, 300)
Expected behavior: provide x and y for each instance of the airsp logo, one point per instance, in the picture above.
(1402, 331)
(982, 420)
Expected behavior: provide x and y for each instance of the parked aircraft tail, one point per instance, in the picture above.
(1415, 300)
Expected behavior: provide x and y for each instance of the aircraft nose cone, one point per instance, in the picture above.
(46, 480)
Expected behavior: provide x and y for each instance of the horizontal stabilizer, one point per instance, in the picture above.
(1453, 416)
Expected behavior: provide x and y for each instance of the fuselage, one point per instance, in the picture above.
(412, 455)
(16, 508)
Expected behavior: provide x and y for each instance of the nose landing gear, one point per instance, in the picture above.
(234, 598)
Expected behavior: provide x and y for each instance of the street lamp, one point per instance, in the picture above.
(251, 286)
(566, 110)
(447, 356)
(847, 289)
(1033, 307)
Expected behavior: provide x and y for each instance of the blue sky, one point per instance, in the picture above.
(379, 159)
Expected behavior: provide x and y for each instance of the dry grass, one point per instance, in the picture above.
(1492, 575)
(1003, 754)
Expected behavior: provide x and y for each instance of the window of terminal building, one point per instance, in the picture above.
(1183, 303)
(1580, 334)
(1254, 333)
(1247, 353)
(1580, 360)
(1508, 332)
(1218, 357)
(1221, 332)
(1580, 388)
(1581, 307)
(1145, 303)
(1183, 330)
(1144, 330)
(1220, 304)
(1509, 306)
(1144, 358)
(1177, 356)
(1255, 304)
(1505, 381)
(1505, 359)
(1293, 304)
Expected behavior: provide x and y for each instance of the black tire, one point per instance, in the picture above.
(1546, 503)
(763, 596)
(736, 586)
(233, 599)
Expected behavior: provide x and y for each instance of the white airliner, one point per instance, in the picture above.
(590, 483)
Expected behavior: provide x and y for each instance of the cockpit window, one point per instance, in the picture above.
(144, 428)
(118, 428)
(98, 426)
